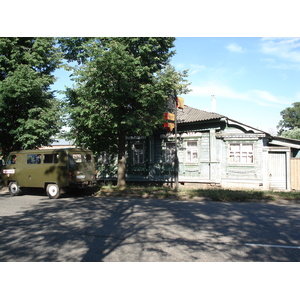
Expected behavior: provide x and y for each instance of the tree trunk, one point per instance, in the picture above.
(121, 159)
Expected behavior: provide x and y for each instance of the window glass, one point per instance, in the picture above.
(33, 158)
(72, 163)
(241, 153)
(105, 158)
(192, 151)
(138, 153)
(88, 158)
(50, 158)
(77, 158)
(170, 152)
(12, 159)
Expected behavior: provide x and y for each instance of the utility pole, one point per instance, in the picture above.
(169, 126)
(176, 161)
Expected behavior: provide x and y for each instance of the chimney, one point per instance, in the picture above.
(213, 103)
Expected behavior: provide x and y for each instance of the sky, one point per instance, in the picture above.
(252, 79)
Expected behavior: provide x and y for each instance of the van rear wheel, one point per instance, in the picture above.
(53, 191)
(14, 188)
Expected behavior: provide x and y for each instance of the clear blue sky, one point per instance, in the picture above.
(253, 79)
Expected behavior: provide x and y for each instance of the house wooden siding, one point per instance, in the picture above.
(211, 166)
(211, 149)
(241, 174)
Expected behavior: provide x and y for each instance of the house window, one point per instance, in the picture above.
(138, 153)
(192, 151)
(104, 158)
(170, 153)
(241, 153)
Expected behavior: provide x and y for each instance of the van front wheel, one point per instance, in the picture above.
(14, 189)
(53, 191)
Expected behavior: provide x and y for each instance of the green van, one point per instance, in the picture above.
(52, 169)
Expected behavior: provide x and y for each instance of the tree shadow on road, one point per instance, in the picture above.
(119, 229)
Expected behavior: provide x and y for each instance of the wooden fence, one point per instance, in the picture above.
(295, 173)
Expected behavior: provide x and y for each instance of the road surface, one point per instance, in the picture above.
(110, 229)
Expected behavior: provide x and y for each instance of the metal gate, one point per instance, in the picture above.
(277, 168)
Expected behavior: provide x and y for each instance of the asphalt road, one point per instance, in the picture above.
(86, 228)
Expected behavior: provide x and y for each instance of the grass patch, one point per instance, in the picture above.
(286, 195)
(223, 195)
(165, 192)
(137, 191)
(229, 195)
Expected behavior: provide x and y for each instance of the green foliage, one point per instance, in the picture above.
(290, 118)
(292, 134)
(122, 87)
(29, 114)
(41, 124)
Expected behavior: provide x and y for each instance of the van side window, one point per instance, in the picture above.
(33, 158)
(12, 159)
(88, 158)
(50, 158)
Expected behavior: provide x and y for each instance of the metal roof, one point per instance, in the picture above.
(190, 115)
(286, 142)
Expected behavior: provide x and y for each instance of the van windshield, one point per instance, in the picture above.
(79, 158)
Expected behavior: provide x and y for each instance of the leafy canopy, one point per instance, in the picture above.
(29, 114)
(292, 134)
(122, 87)
(290, 119)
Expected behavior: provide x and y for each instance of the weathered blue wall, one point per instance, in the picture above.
(210, 165)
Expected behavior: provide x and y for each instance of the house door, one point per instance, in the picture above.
(277, 170)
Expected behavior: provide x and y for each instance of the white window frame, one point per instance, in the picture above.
(241, 153)
(192, 153)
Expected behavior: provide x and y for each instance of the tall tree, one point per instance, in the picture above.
(29, 114)
(290, 118)
(122, 87)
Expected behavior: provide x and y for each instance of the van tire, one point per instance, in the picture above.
(53, 191)
(14, 188)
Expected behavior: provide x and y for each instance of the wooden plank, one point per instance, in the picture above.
(295, 173)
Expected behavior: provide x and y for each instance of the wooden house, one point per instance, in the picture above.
(212, 150)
